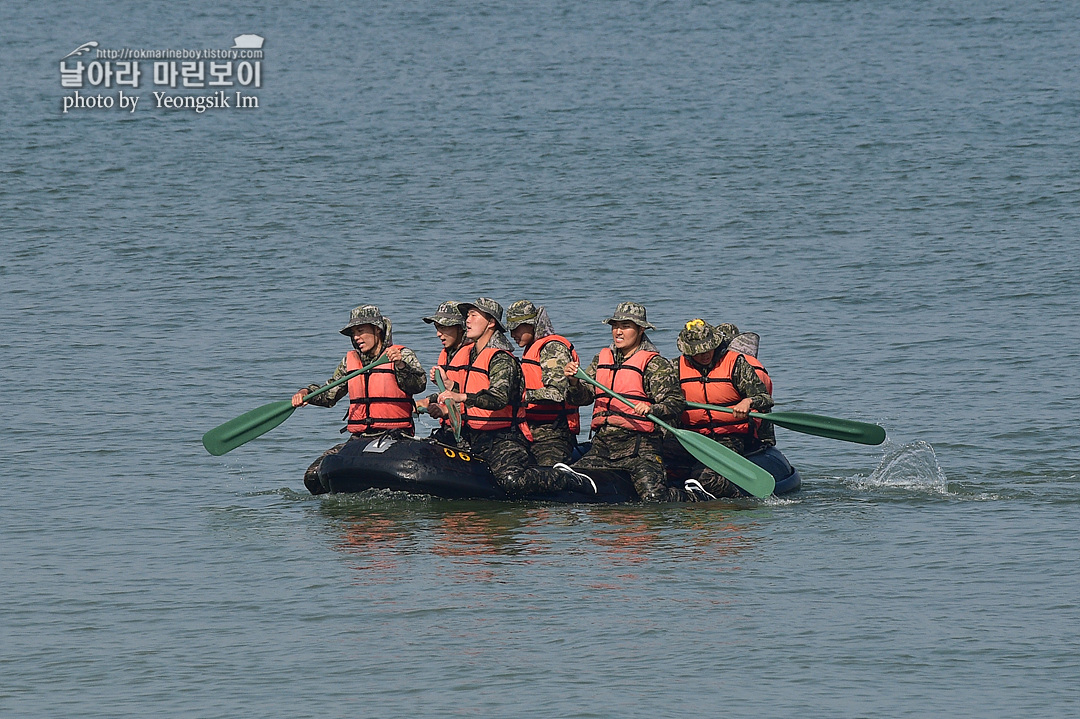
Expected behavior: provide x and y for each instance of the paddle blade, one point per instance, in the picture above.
(246, 427)
(739, 470)
(847, 430)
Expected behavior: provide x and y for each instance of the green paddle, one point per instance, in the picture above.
(847, 430)
(261, 420)
(713, 455)
(451, 407)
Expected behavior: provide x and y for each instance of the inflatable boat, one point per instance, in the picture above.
(427, 467)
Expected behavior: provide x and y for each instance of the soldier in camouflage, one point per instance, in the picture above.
(747, 343)
(703, 349)
(623, 439)
(450, 329)
(371, 334)
(504, 448)
(547, 413)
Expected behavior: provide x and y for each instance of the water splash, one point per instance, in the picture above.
(775, 501)
(909, 466)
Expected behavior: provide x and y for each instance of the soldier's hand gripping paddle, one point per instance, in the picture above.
(451, 407)
(847, 430)
(261, 420)
(741, 472)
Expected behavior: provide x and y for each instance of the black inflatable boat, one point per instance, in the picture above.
(424, 466)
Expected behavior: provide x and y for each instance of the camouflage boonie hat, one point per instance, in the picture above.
(489, 307)
(632, 312)
(698, 336)
(521, 312)
(447, 315)
(727, 331)
(364, 315)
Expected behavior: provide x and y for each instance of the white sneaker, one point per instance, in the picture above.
(582, 479)
(698, 492)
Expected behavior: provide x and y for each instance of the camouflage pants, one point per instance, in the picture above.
(714, 483)
(681, 465)
(640, 455)
(506, 452)
(551, 445)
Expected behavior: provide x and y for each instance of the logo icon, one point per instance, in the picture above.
(85, 47)
(246, 42)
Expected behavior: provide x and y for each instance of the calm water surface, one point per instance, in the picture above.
(887, 192)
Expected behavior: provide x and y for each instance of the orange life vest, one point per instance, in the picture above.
(716, 387)
(444, 362)
(375, 399)
(628, 379)
(472, 377)
(546, 412)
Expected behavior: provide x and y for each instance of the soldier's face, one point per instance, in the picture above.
(703, 358)
(524, 335)
(449, 336)
(477, 323)
(366, 336)
(626, 334)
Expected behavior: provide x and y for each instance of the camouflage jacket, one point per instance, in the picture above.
(553, 357)
(450, 352)
(661, 382)
(410, 377)
(746, 382)
(504, 378)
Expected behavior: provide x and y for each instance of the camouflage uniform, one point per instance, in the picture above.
(446, 316)
(552, 442)
(747, 343)
(409, 374)
(692, 340)
(444, 433)
(505, 450)
(748, 384)
(639, 453)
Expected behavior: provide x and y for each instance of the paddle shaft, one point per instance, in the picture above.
(383, 359)
(846, 430)
(240, 430)
(581, 375)
(729, 410)
(451, 406)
